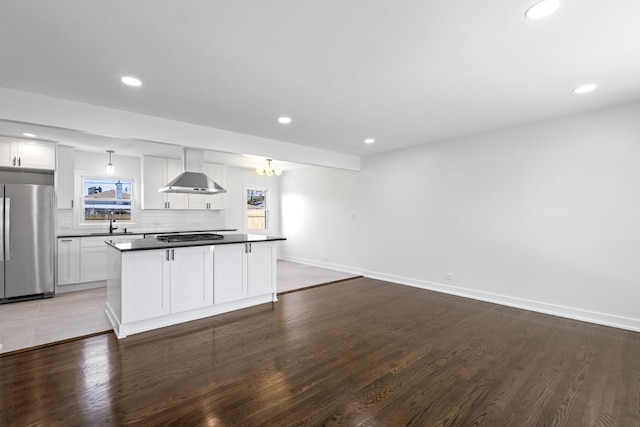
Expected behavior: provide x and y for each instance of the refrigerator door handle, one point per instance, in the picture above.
(7, 229)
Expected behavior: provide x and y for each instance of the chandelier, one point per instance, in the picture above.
(269, 170)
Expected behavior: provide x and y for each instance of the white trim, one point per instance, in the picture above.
(524, 304)
(537, 306)
(337, 267)
(267, 190)
(122, 330)
(78, 210)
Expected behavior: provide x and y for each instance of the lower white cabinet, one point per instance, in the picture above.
(153, 288)
(230, 273)
(191, 278)
(83, 259)
(244, 270)
(93, 255)
(165, 281)
(68, 261)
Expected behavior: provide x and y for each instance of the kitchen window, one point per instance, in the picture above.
(101, 196)
(257, 209)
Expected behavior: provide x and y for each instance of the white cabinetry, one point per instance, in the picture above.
(154, 288)
(68, 261)
(156, 173)
(261, 274)
(93, 255)
(230, 273)
(26, 153)
(244, 270)
(83, 259)
(210, 201)
(145, 290)
(159, 282)
(64, 177)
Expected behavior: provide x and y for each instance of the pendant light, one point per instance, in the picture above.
(109, 169)
(269, 170)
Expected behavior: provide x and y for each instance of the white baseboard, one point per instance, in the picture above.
(540, 307)
(337, 267)
(60, 289)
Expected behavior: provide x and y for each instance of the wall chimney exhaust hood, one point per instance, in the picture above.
(193, 180)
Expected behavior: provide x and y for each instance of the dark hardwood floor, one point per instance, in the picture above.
(360, 352)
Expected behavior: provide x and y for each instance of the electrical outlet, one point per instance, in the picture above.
(448, 276)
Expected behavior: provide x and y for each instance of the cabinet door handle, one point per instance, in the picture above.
(71, 202)
(19, 161)
(66, 240)
(14, 161)
(249, 247)
(172, 255)
(169, 205)
(167, 254)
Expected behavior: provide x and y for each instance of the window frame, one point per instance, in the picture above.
(79, 211)
(245, 209)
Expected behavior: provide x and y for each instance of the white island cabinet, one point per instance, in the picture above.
(244, 270)
(149, 288)
(166, 281)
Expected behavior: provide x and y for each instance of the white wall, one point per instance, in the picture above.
(544, 216)
(236, 181)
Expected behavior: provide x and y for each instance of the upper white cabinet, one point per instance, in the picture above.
(156, 173)
(210, 201)
(25, 153)
(64, 177)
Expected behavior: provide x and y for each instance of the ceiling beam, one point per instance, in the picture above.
(41, 110)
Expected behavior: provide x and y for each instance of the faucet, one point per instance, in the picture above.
(111, 221)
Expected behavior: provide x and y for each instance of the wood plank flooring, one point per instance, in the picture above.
(365, 352)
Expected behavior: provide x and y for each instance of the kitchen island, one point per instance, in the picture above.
(153, 283)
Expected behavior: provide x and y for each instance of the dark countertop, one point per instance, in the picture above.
(139, 233)
(150, 243)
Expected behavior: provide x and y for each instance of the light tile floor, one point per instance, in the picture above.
(74, 314)
(67, 315)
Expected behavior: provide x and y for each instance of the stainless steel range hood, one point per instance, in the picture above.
(193, 180)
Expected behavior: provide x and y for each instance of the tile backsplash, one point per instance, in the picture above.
(150, 221)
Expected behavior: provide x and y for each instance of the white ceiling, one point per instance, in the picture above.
(404, 73)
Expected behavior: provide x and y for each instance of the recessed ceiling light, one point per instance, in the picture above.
(369, 141)
(285, 120)
(542, 9)
(30, 135)
(585, 88)
(131, 81)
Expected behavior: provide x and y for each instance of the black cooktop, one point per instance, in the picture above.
(172, 238)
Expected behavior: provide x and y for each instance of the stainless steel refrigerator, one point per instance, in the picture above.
(27, 238)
